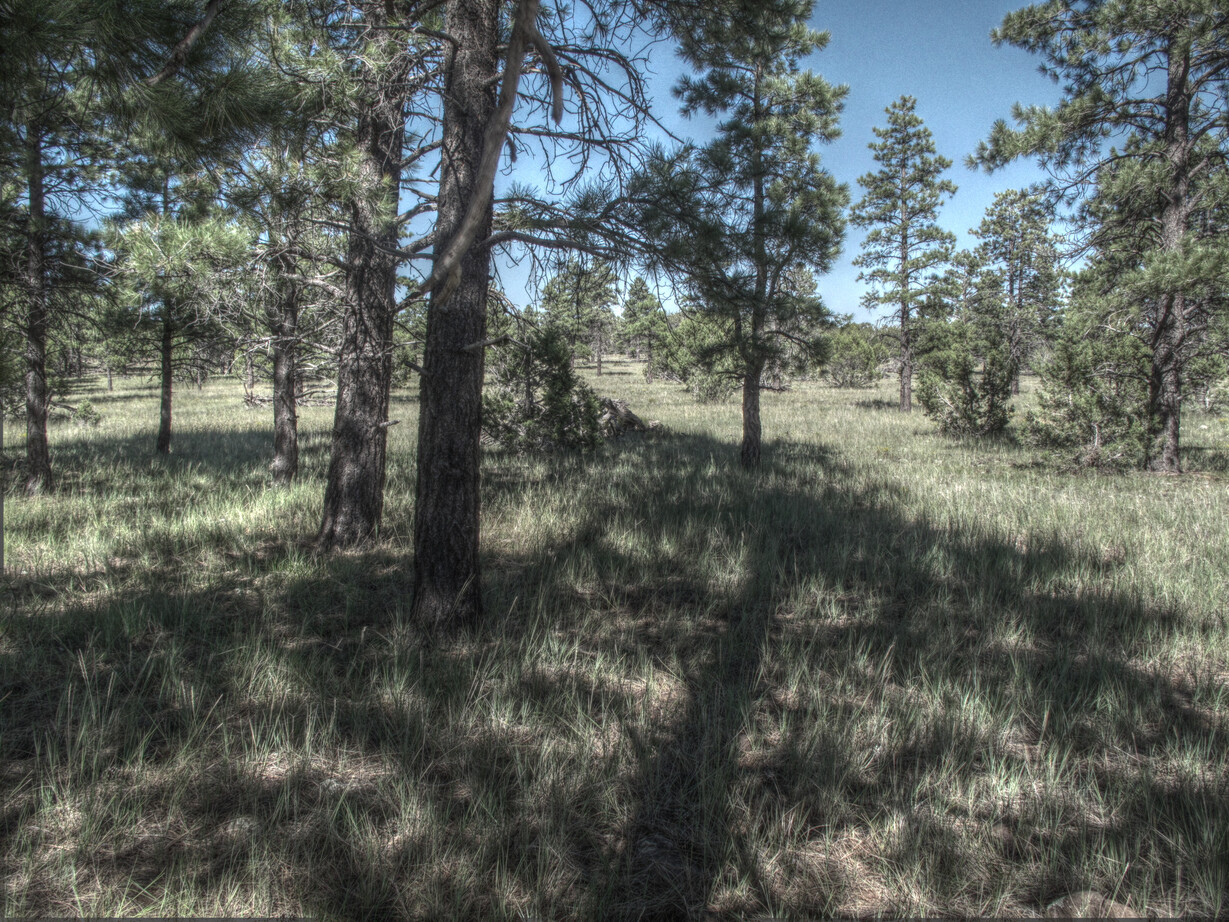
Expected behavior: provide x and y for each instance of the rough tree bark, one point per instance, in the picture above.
(167, 353)
(38, 453)
(752, 428)
(906, 334)
(446, 522)
(906, 363)
(354, 492)
(285, 415)
(1165, 386)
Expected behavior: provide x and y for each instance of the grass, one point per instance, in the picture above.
(891, 674)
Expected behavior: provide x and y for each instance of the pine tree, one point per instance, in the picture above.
(1019, 258)
(644, 325)
(474, 130)
(77, 76)
(905, 248)
(1152, 71)
(578, 301)
(731, 219)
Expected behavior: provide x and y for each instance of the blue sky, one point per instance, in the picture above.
(938, 51)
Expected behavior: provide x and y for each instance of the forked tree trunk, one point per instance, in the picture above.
(447, 586)
(38, 452)
(168, 343)
(752, 428)
(285, 415)
(354, 491)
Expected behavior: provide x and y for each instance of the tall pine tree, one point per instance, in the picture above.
(905, 248)
(1155, 73)
(1020, 258)
(738, 216)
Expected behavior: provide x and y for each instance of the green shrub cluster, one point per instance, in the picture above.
(536, 401)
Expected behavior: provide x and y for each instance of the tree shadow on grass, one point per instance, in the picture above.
(705, 694)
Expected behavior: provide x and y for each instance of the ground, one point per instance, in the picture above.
(891, 673)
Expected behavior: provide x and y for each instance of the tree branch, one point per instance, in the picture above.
(180, 53)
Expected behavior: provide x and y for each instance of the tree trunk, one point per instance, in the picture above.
(168, 342)
(1167, 400)
(38, 452)
(447, 587)
(1165, 391)
(110, 380)
(354, 492)
(598, 352)
(750, 456)
(906, 376)
(285, 416)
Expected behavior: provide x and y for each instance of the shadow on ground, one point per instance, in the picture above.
(707, 695)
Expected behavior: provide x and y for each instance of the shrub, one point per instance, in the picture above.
(959, 398)
(1093, 404)
(856, 356)
(536, 402)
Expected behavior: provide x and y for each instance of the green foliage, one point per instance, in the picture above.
(644, 326)
(904, 248)
(1149, 76)
(961, 399)
(1019, 281)
(856, 356)
(1092, 407)
(87, 414)
(697, 355)
(536, 402)
(733, 222)
(579, 301)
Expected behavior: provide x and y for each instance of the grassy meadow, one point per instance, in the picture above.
(890, 674)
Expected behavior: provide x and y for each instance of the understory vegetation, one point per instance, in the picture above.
(890, 672)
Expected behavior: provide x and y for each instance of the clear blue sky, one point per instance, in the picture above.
(938, 51)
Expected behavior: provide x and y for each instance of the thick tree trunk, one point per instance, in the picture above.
(110, 379)
(168, 343)
(354, 492)
(752, 430)
(1167, 400)
(38, 452)
(1164, 388)
(285, 415)
(447, 586)
(1165, 391)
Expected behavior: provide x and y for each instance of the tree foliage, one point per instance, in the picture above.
(905, 249)
(857, 354)
(733, 218)
(536, 401)
(1140, 129)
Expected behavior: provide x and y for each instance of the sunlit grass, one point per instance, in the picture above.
(889, 673)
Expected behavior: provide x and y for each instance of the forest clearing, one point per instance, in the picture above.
(891, 673)
(614, 459)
